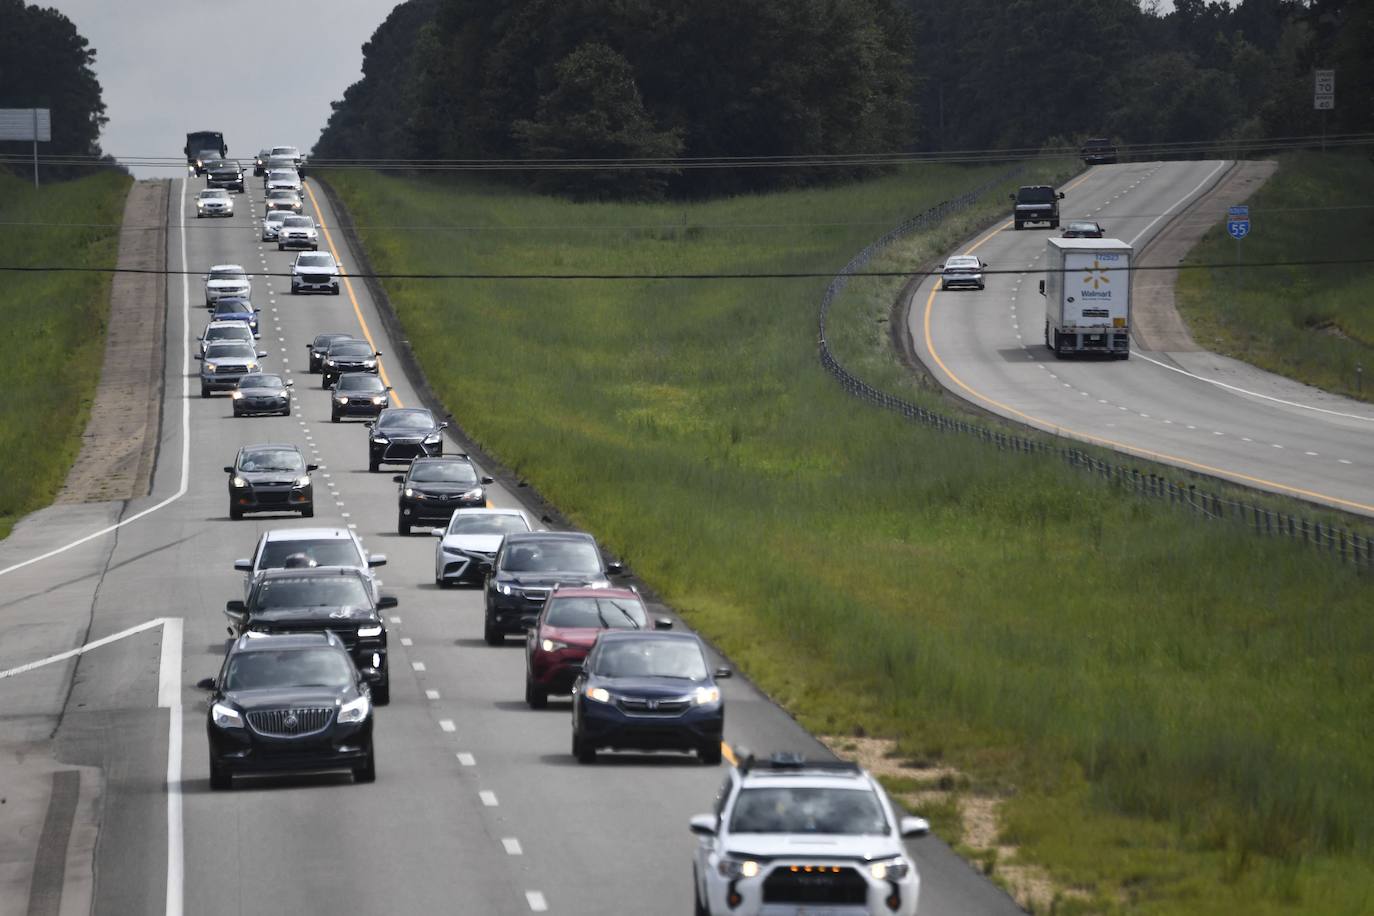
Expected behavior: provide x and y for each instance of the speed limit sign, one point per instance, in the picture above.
(1324, 90)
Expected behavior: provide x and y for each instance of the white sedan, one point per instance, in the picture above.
(227, 280)
(962, 270)
(473, 536)
(214, 202)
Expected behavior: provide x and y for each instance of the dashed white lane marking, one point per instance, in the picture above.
(1345, 461)
(1311, 454)
(394, 619)
(354, 527)
(417, 666)
(1246, 439)
(512, 846)
(1276, 445)
(431, 694)
(407, 641)
(465, 759)
(537, 902)
(488, 798)
(447, 725)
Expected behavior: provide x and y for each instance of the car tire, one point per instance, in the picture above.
(536, 697)
(367, 772)
(220, 777)
(1017, 224)
(308, 511)
(381, 694)
(372, 466)
(698, 908)
(584, 752)
(981, 287)
(334, 291)
(943, 287)
(333, 418)
(493, 636)
(1054, 224)
(235, 513)
(402, 526)
(710, 754)
(237, 413)
(281, 247)
(204, 392)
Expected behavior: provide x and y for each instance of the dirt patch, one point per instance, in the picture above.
(119, 445)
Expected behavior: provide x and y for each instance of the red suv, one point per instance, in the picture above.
(566, 629)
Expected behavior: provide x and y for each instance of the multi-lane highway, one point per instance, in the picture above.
(1193, 409)
(478, 806)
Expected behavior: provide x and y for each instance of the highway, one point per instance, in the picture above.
(478, 807)
(1195, 410)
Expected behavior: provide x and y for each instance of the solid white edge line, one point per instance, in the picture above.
(185, 412)
(169, 695)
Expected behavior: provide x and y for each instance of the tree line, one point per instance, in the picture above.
(685, 79)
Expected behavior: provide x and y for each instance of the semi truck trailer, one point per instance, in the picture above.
(1087, 290)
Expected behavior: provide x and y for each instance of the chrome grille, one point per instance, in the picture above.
(651, 706)
(291, 723)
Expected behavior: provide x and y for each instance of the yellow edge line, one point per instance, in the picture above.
(1163, 457)
(357, 309)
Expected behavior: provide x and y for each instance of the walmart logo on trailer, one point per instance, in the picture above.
(1097, 277)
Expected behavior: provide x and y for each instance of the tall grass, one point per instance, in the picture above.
(1310, 322)
(1188, 701)
(55, 326)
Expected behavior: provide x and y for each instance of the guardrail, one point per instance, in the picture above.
(1338, 542)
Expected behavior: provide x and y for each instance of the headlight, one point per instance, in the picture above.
(355, 711)
(432, 438)
(737, 868)
(379, 399)
(473, 494)
(209, 367)
(600, 694)
(303, 481)
(891, 870)
(329, 362)
(553, 645)
(704, 695)
(369, 632)
(225, 716)
(252, 367)
(380, 440)
(341, 399)
(369, 363)
(409, 492)
(240, 483)
(505, 589)
(236, 394)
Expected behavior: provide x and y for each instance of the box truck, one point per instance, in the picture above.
(1087, 290)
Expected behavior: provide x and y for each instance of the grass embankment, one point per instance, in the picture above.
(1175, 713)
(1311, 323)
(55, 323)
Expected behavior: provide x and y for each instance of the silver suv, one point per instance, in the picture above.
(286, 548)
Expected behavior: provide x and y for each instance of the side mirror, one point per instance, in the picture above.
(311, 467)
(914, 826)
(723, 672)
(1061, 195)
(487, 480)
(387, 602)
(228, 469)
(238, 607)
(202, 337)
(443, 425)
(399, 478)
(1011, 197)
(702, 824)
(376, 559)
(615, 568)
(662, 623)
(369, 424)
(939, 267)
(438, 532)
(205, 683)
(290, 382)
(262, 353)
(200, 356)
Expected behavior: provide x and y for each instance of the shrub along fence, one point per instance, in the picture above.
(1339, 542)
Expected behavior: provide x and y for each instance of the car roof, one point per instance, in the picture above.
(228, 323)
(963, 257)
(269, 643)
(597, 593)
(459, 458)
(398, 411)
(310, 534)
(263, 446)
(228, 267)
(636, 635)
(312, 572)
(523, 536)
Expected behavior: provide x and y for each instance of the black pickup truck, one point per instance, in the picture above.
(1036, 203)
(1098, 151)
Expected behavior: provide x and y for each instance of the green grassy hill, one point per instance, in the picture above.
(1174, 715)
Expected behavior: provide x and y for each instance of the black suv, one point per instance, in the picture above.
(347, 356)
(321, 344)
(358, 394)
(223, 173)
(526, 569)
(434, 487)
(1098, 151)
(288, 703)
(402, 434)
(270, 478)
(1036, 203)
(333, 598)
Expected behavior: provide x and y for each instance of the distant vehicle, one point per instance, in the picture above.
(270, 478)
(214, 202)
(225, 280)
(320, 345)
(790, 835)
(298, 232)
(272, 223)
(292, 702)
(224, 332)
(320, 599)
(433, 488)
(291, 153)
(283, 180)
(235, 308)
(278, 163)
(1082, 229)
(221, 173)
(650, 691)
(315, 272)
(284, 199)
(260, 162)
(1098, 151)
(223, 364)
(402, 434)
(316, 546)
(262, 393)
(964, 270)
(567, 628)
(1036, 204)
(1087, 290)
(468, 545)
(528, 566)
(347, 356)
(200, 142)
(358, 394)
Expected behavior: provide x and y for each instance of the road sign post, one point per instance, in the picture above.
(1238, 225)
(27, 124)
(1324, 96)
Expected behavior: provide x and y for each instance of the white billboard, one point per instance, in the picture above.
(30, 124)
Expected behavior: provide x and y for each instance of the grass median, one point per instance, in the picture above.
(56, 325)
(1173, 715)
(1311, 322)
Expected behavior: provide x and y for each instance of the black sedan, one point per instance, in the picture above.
(288, 703)
(223, 173)
(270, 478)
(358, 394)
(648, 691)
(320, 345)
(434, 488)
(402, 434)
(1083, 229)
(347, 356)
(262, 393)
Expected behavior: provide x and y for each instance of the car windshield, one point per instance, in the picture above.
(443, 472)
(676, 658)
(281, 194)
(482, 523)
(313, 591)
(315, 260)
(230, 332)
(324, 551)
(322, 341)
(297, 222)
(360, 382)
(962, 262)
(276, 216)
(406, 419)
(273, 459)
(285, 151)
(232, 306)
(235, 274)
(351, 351)
(261, 381)
(800, 809)
(282, 174)
(552, 556)
(1083, 227)
(230, 350)
(1036, 195)
(314, 667)
(613, 613)
(214, 194)
(207, 154)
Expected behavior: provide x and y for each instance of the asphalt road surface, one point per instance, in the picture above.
(1196, 410)
(478, 806)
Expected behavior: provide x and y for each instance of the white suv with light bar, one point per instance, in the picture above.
(792, 836)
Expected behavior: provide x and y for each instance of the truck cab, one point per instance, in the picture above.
(1036, 203)
(198, 141)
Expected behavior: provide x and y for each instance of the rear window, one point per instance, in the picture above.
(600, 613)
(330, 552)
(1036, 195)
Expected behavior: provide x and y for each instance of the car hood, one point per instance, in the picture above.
(818, 845)
(582, 637)
(322, 617)
(278, 697)
(660, 687)
(270, 476)
(263, 392)
(444, 489)
(482, 543)
(315, 271)
(403, 434)
(550, 579)
(219, 360)
(226, 284)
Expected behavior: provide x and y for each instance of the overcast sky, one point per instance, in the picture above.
(263, 74)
